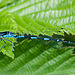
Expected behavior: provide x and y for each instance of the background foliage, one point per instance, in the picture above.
(34, 57)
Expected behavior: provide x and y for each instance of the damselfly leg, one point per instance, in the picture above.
(0, 39)
(9, 41)
(4, 42)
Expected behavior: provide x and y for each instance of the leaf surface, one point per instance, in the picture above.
(37, 57)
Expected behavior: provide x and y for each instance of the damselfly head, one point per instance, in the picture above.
(5, 33)
(10, 33)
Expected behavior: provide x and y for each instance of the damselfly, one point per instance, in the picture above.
(7, 34)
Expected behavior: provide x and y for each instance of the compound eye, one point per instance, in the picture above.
(10, 33)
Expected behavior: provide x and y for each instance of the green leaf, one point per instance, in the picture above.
(5, 2)
(37, 57)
